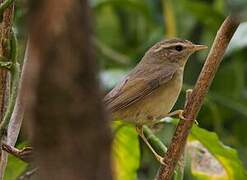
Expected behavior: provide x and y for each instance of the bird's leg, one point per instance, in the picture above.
(139, 130)
(178, 113)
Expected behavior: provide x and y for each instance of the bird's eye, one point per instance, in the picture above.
(179, 48)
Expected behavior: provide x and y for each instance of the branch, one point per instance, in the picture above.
(195, 100)
(25, 154)
(4, 5)
(28, 174)
(5, 34)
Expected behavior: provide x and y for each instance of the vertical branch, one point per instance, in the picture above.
(5, 33)
(195, 100)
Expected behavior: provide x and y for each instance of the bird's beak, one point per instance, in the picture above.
(197, 47)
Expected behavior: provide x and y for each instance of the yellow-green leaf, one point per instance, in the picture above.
(125, 151)
(15, 168)
(211, 159)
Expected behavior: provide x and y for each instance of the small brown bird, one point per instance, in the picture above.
(150, 90)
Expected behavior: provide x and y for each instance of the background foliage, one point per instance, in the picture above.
(123, 31)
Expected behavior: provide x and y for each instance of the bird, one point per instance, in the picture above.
(150, 90)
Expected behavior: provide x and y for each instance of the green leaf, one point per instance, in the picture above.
(211, 159)
(15, 168)
(126, 152)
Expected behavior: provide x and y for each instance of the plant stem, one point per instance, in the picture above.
(4, 5)
(15, 76)
(195, 100)
(169, 18)
(5, 34)
(14, 83)
(18, 112)
(155, 142)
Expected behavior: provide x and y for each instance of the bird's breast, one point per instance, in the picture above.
(162, 100)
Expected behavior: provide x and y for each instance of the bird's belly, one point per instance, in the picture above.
(157, 104)
(160, 102)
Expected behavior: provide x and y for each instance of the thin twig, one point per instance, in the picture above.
(195, 100)
(24, 154)
(27, 175)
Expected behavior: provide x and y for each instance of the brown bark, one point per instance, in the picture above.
(195, 100)
(5, 33)
(70, 133)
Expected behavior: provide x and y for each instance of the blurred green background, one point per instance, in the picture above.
(125, 29)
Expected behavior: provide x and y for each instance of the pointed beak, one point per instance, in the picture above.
(196, 47)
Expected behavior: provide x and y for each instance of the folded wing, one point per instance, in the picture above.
(134, 87)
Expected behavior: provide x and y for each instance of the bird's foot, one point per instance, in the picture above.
(179, 114)
(159, 158)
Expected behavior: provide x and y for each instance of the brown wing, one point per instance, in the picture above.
(133, 88)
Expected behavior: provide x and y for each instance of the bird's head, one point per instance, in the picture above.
(173, 51)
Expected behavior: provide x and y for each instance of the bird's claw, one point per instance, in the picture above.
(181, 116)
(160, 159)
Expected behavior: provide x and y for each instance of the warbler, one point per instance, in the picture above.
(149, 91)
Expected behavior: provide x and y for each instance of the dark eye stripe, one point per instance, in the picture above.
(177, 47)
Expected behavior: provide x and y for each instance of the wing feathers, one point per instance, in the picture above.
(134, 88)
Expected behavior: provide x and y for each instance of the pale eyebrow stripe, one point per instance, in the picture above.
(167, 46)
